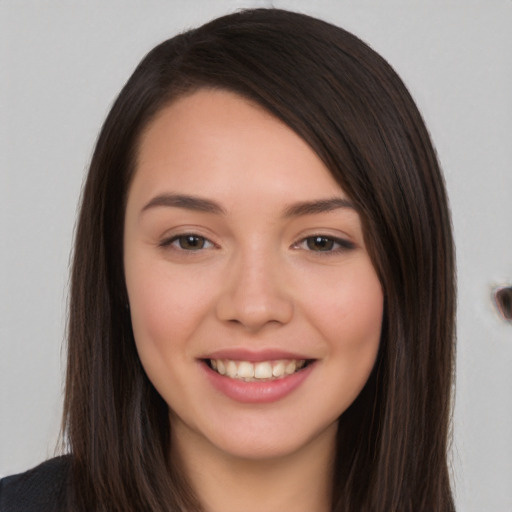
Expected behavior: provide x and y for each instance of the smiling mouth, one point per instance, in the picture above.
(257, 372)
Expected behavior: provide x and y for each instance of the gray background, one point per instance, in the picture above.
(61, 65)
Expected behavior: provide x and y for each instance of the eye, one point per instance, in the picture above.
(324, 243)
(320, 243)
(188, 242)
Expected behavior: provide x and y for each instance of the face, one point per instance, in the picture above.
(255, 307)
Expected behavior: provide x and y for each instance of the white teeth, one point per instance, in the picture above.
(290, 368)
(263, 370)
(221, 368)
(278, 369)
(231, 369)
(245, 370)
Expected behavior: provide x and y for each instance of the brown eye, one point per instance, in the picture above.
(320, 243)
(188, 242)
(191, 242)
(325, 244)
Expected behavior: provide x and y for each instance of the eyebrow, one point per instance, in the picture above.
(320, 206)
(200, 204)
(185, 201)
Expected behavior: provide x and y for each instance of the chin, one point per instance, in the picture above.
(260, 441)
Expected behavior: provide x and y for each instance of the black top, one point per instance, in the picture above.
(41, 489)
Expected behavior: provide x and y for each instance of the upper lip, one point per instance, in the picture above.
(244, 354)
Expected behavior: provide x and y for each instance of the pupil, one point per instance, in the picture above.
(320, 243)
(191, 242)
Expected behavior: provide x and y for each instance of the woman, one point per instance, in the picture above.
(262, 300)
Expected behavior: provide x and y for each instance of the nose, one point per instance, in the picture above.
(255, 293)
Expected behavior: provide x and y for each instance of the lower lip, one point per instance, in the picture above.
(257, 392)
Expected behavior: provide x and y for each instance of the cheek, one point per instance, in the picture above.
(354, 337)
(164, 313)
(362, 310)
(166, 307)
(350, 315)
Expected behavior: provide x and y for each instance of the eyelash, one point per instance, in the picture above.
(334, 245)
(342, 244)
(168, 242)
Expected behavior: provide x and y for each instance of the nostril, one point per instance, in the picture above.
(503, 301)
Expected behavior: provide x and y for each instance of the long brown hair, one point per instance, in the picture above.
(350, 106)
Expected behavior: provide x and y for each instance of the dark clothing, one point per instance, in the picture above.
(41, 489)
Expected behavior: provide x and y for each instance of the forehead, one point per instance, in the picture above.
(217, 142)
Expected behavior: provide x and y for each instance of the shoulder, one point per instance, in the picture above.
(40, 489)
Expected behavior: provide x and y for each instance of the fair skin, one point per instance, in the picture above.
(243, 254)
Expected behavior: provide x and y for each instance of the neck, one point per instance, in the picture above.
(300, 481)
